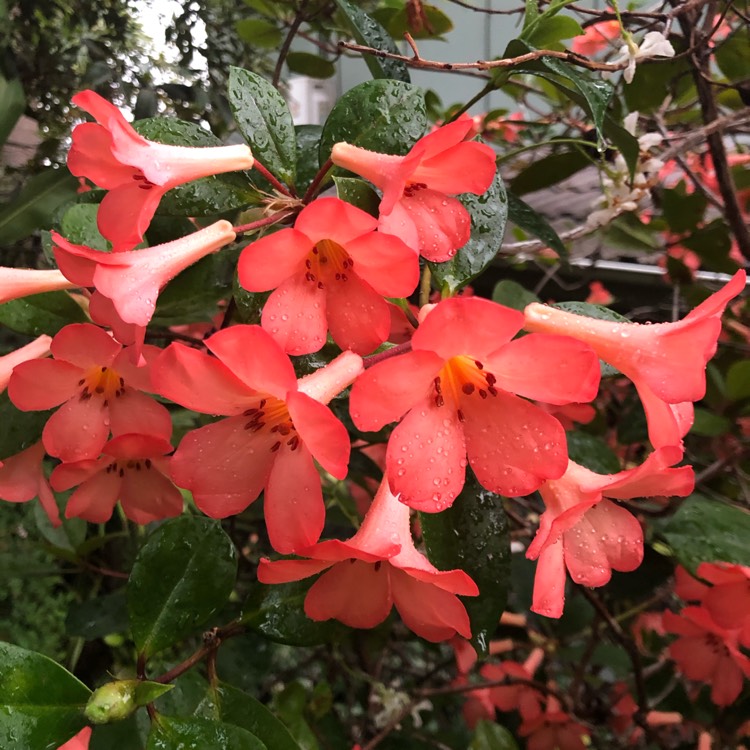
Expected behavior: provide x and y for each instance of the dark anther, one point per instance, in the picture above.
(439, 400)
(490, 378)
(438, 387)
(492, 390)
(378, 565)
(308, 263)
(275, 446)
(100, 389)
(460, 415)
(148, 463)
(482, 393)
(122, 472)
(479, 364)
(468, 388)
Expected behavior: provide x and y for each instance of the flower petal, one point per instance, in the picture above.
(77, 430)
(549, 582)
(293, 504)
(40, 384)
(149, 496)
(96, 498)
(85, 345)
(285, 571)
(125, 214)
(135, 412)
(335, 220)
(386, 263)
(271, 260)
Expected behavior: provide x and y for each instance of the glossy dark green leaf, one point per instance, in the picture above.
(70, 535)
(308, 138)
(98, 617)
(199, 734)
(20, 429)
(549, 170)
(41, 313)
(472, 535)
(532, 222)
(592, 452)
(41, 703)
(651, 83)
(79, 226)
(709, 424)
(489, 214)
(232, 706)
(12, 105)
(292, 704)
(277, 612)
(34, 207)
(359, 193)
(738, 380)
(123, 735)
(512, 294)
(183, 573)
(366, 30)
(147, 691)
(207, 196)
(706, 530)
(257, 32)
(307, 64)
(382, 115)
(553, 29)
(265, 121)
(490, 736)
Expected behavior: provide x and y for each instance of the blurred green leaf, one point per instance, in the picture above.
(398, 23)
(41, 313)
(12, 105)
(257, 32)
(733, 55)
(549, 170)
(512, 294)
(708, 424)
(592, 452)
(553, 29)
(738, 380)
(168, 733)
(183, 573)
(307, 64)
(98, 617)
(358, 193)
(490, 736)
(532, 222)
(21, 429)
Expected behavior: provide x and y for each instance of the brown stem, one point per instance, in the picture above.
(299, 19)
(272, 219)
(312, 191)
(283, 189)
(394, 351)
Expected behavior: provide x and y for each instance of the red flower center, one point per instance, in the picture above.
(328, 262)
(272, 414)
(460, 377)
(131, 464)
(103, 382)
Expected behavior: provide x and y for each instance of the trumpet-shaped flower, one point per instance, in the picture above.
(134, 470)
(708, 653)
(516, 696)
(585, 532)
(91, 375)
(21, 282)
(136, 171)
(275, 426)
(39, 347)
(456, 391)
(22, 478)
(377, 568)
(553, 730)
(665, 361)
(132, 280)
(330, 272)
(417, 205)
(79, 742)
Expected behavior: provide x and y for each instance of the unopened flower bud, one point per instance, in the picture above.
(114, 701)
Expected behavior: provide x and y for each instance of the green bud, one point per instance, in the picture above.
(114, 701)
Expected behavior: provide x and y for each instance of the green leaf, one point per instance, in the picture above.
(490, 736)
(258, 32)
(549, 170)
(183, 573)
(233, 706)
(21, 429)
(592, 452)
(705, 530)
(12, 105)
(34, 207)
(532, 222)
(68, 536)
(123, 735)
(477, 515)
(708, 424)
(358, 193)
(199, 734)
(265, 121)
(98, 617)
(683, 211)
(651, 83)
(512, 294)
(79, 226)
(308, 139)
(307, 64)
(489, 214)
(385, 116)
(712, 244)
(733, 55)
(41, 313)
(553, 29)
(368, 31)
(147, 691)
(41, 703)
(277, 612)
(207, 196)
(738, 380)
(398, 23)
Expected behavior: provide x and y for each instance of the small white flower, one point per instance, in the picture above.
(653, 44)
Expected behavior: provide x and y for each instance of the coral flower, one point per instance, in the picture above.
(134, 470)
(91, 375)
(132, 280)
(39, 347)
(553, 730)
(457, 389)
(22, 479)
(591, 535)
(595, 38)
(728, 597)
(377, 568)
(79, 742)
(417, 205)
(330, 272)
(708, 653)
(137, 172)
(665, 361)
(275, 426)
(21, 282)
(516, 696)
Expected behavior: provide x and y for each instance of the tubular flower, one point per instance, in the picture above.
(553, 730)
(330, 272)
(417, 205)
(595, 38)
(22, 479)
(708, 653)
(132, 280)
(137, 172)
(377, 568)
(457, 390)
(134, 470)
(276, 425)
(516, 696)
(22, 282)
(590, 535)
(665, 361)
(91, 375)
(39, 347)
(79, 742)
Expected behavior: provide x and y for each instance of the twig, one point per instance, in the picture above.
(272, 219)
(299, 18)
(312, 190)
(394, 351)
(283, 189)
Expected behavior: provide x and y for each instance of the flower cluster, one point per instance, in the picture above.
(471, 385)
